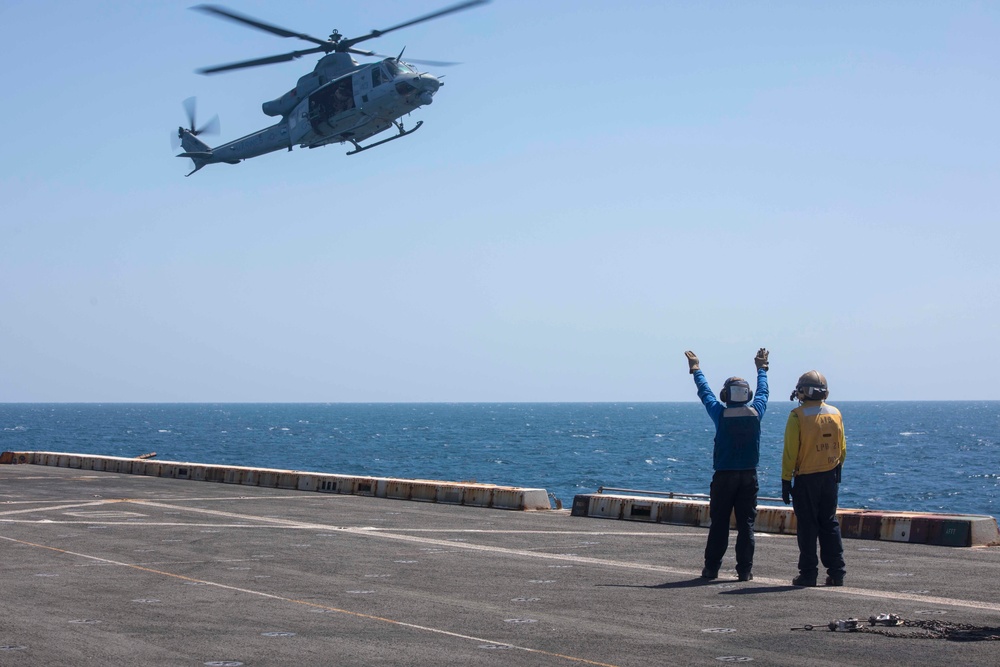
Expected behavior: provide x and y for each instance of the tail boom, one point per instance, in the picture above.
(265, 141)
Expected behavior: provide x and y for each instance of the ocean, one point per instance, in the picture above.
(917, 456)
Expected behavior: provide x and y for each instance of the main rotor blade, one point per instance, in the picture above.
(362, 52)
(255, 23)
(432, 63)
(285, 57)
(347, 43)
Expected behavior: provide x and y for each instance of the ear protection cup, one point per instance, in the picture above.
(812, 394)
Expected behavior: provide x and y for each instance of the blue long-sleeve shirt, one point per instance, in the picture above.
(730, 455)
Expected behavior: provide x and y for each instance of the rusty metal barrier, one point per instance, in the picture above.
(691, 509)
(453, 493)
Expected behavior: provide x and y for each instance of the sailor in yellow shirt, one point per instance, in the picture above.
(815, 448)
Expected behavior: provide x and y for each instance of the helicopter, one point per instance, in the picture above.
(339, 101)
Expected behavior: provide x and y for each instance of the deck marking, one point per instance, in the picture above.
(382, 533)
(49, 508)
(314, 605)
(324, 496)
(369, 531)
(483, 531)
(181, 524)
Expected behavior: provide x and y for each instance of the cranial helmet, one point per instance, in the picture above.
(811, 387)
(736, 390)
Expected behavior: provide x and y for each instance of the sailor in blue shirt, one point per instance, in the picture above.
(737, 451)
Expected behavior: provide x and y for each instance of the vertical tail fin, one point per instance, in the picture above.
(194, 148)
(191, 143)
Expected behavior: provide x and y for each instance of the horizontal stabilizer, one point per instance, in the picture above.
(197, 156)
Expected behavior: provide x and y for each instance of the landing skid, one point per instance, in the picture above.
(402, 133)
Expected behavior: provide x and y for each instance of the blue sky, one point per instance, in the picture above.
(597, 188)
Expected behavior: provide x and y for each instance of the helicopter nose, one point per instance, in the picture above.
(421, 86)
(427, 85)
(431, 83)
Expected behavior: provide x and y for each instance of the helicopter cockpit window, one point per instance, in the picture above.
(376, 77)
(397, 67)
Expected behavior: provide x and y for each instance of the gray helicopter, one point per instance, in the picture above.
(339, 101)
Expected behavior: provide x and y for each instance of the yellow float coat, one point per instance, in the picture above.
(814, 440)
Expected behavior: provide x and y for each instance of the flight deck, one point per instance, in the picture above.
(104, 568)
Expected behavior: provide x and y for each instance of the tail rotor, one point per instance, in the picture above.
(187, 137)
(190, 108)
(211, 127)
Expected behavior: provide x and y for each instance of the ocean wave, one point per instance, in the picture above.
(494, 443)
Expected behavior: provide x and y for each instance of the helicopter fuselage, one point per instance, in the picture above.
(358, 105)
(352, 107)
(339, 101)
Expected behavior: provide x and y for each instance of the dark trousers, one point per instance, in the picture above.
(732, 491)
(814, 498)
